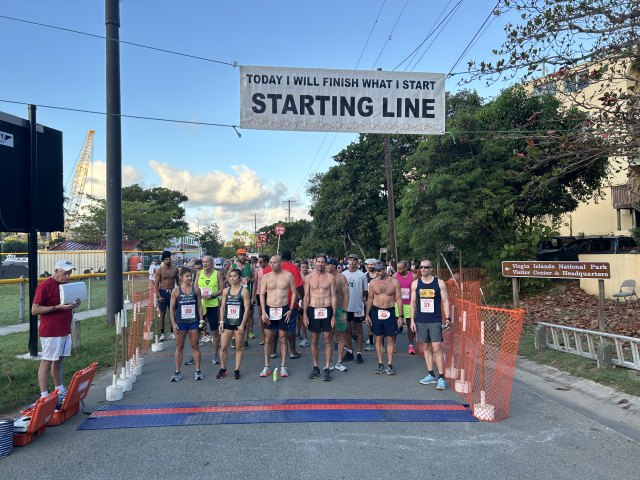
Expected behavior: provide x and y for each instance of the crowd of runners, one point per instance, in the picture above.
(212, 300)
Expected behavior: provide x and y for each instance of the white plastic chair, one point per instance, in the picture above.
(626, 284)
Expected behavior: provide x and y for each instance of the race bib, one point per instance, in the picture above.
(205, 291)
(426, 305)
(406, 293)
(320, 313)
(233, 312)
(188, 311)
(383, 315)
(359, 314)
(275, 313)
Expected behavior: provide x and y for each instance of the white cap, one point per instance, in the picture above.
(217, 263)
(65, 265)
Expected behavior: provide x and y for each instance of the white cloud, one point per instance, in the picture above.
(97, 178)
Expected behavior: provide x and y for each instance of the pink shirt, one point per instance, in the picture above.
(405, 287)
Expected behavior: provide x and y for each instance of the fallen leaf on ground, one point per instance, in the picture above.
(547, 379)
(624, 400)
(566, 388)
(627, 406)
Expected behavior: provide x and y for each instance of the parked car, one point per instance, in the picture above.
(553, 245)
(592, 246)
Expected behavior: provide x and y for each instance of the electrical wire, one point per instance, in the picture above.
(389, 37)
(311, 165)
(368, 38)
(233, 64)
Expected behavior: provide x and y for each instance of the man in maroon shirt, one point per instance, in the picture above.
(55, 326)
(287, 266)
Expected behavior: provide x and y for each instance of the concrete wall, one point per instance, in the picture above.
(623, 267)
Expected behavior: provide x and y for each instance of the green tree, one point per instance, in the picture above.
(292, 238)
(13, 245)
(210, 240)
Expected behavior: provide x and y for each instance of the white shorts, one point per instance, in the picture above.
(55, 347)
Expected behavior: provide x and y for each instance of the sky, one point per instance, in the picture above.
(227, 179)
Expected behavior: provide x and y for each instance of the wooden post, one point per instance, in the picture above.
(516, 292)
(601, 299)
(75, 334)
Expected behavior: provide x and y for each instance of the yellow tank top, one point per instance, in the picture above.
(208, 286)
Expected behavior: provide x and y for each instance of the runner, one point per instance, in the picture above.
(186, 312)
(358, 288)
(370, 275)
(166, 279)
(405, 278)
(274, 291)
(152, 270)
(263, 262)
(342, 302)
(381, 315)
(234, 310)
(211, 284)
(319, 307)
(302, 330)
(428, 298)
(247, 282)
(287, 266)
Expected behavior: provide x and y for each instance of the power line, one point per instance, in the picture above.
(474, 37)
(314, 161)
(126, 116)
(430, 32)
(368, 38)
(389, 37)
(233, 64)
(325, 153)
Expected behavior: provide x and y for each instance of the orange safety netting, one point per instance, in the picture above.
(480, 351)
(139, 324)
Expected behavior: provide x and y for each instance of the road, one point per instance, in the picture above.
(545, 437)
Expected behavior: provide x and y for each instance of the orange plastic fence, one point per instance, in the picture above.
(480, 351)
(140, 320)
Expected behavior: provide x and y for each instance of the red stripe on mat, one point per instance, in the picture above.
(267, 408)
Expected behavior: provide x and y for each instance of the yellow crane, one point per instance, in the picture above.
(75, 184)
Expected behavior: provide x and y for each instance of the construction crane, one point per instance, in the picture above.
(74, 187)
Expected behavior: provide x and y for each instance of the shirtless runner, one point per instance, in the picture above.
(274, 292)
(165, 281)
(381, 315)
(302, 330)
(342, 302)
(319, 306)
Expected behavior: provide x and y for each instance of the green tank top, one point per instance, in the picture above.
(208, 286)
(246, 275)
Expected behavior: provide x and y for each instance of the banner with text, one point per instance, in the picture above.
(358, 101)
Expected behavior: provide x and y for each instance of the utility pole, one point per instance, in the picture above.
(255, 228)
(114, 160)
(391, 202)
(289, 208)
(33, 235)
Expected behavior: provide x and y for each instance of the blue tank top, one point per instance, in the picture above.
(429, 302)
(235, 314)
(186, 306)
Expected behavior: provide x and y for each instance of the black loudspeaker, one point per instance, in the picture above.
(15, 177)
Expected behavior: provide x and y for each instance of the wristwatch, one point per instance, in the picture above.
(54, 308)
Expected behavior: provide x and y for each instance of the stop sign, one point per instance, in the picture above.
(263, 237)
(258, 244)
(279, 230)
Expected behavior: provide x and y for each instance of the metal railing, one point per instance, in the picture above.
(570, 340)
(14, 294)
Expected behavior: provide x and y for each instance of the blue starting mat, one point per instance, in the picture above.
(282, 411)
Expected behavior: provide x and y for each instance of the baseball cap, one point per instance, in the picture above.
(353, 255)
(65, 265)
(241, 250)
(379, 266)
(372, 260)
(217, 263)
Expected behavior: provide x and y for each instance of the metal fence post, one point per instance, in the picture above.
(22, 290)
(89, 296)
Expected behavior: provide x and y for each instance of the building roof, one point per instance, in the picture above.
(70, 245)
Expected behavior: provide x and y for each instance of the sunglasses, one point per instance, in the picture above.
(428, 266)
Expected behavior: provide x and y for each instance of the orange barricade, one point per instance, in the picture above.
(40, 416)
(139, 325)
(76, 392)
(480, 350)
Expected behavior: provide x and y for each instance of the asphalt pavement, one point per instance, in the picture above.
(545, 436)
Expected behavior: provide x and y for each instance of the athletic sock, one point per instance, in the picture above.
(43, 394)
(432, 373)
(162, 331)
(411, 344)
(371, 339)
(61, 389)
(350, 351)
(441, 376)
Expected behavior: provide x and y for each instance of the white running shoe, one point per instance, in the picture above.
(330, 366)
(161, 339)
(172, 336)
(340, 366)
(304, 343)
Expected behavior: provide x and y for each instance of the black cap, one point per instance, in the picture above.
(379, 266)
(353, 255)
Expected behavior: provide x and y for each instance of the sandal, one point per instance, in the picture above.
(296, 355)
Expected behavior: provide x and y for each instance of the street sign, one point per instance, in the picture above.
(258, 244)
(384, 250)
(570, 270)
(263, 237)
(279, 230)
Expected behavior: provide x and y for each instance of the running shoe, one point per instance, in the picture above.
(236, 375)
(380, 368)
(400, 329)
(428, 379)
(390, 370)
(411, 350)
(201, 342)
(172, 336)
(326, 376)
(176, 376)
(359, 358)
(331, 366)
(340, 366)
(298, 336)
(335, 345)
(369, 347)
(347, 357)
(216, 359)
(245, 345)
(61, 397)
(262, 341)
(161, 339)
(233, 343)
(265, 372)
(441, 384)
(206, 338)
(251, 335)
(189, 361)
(284, 372)
(221, 373)
(354, 338)
(304, 343)
(199, 375)
(314, 373)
